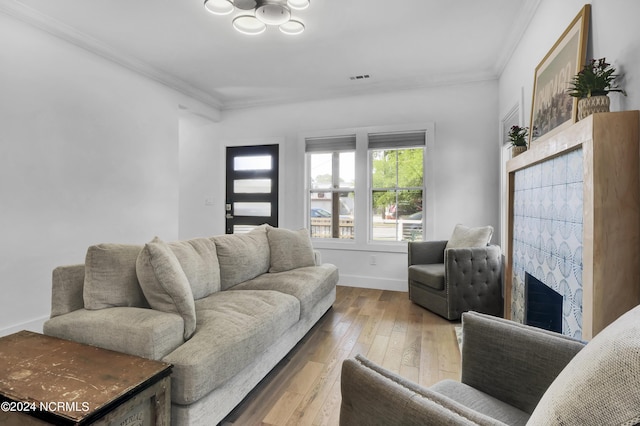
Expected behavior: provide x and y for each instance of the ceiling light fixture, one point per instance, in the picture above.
(256, 15)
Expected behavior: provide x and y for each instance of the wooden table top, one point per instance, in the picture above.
(42, 369)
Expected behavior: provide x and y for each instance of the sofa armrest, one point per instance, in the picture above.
(66, 289)
(510, 361)
(473, 280)
(136, 331)
(372, 395)
(426, 252)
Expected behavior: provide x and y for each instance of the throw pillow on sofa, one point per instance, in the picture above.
(110, 277)
(200, 264)
(289, 249)
(242, 256)
(165, 284)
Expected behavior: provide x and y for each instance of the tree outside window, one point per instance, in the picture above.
(397, 178)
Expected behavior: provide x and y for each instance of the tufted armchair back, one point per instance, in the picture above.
(455, 280)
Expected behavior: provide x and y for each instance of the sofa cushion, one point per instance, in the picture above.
(308, 285)
(465, 237)
(234, 328)
(431, 276)
(164, 283)
(242, 256)
(481, 402)
(599, 386)
(199, 262)
(110, 277)
(137, 331)
(289, 249)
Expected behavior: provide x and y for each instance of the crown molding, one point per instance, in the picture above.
(373, 88)
(516, 33)
(32, 17)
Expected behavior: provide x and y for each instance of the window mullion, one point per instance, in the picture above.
(395, 189)
(397, 169)
(335, 195)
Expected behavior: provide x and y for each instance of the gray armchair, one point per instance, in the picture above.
(452, 281)
(512, 374)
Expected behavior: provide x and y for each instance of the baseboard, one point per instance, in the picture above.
(373, 282)
(33, 325)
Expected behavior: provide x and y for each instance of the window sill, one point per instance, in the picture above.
(349, 245)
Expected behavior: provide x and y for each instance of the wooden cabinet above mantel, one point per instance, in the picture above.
(610, 221)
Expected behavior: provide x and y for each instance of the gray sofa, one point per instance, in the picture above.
(223, 310)
(511, 375)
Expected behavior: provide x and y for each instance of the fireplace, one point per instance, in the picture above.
(572, 221)
(543, 305)
(548, 237)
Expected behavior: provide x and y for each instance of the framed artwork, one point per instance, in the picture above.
(552, 109)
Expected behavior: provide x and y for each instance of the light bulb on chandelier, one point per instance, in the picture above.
(298, 4)
(219, 7)
(265, 12)
(248, 24)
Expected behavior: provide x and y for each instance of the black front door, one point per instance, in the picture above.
(252, 187)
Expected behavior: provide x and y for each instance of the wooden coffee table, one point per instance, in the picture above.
(46, 380)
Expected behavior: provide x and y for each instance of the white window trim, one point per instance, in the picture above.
(363, 240)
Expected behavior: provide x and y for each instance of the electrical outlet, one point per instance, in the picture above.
(373, 260)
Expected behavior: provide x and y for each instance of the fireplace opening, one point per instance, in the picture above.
(543, 305)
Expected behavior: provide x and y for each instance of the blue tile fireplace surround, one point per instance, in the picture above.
(547, 234)
(573, 202)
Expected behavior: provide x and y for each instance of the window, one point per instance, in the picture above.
(397, 185)
(370, 187)
(331, 165)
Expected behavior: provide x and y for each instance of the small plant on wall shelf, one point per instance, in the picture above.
(518, 138)
(592, 85)
(597, 78)
(518, 135)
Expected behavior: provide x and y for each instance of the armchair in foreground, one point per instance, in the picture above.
(512, 374)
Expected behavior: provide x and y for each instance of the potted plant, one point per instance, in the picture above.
(592, 85)
(518, 138)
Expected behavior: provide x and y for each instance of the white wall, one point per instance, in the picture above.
(201, 187)
(466, 163)
(614, 34)
(88, 154)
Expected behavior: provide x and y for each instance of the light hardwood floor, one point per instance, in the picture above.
(304, 389)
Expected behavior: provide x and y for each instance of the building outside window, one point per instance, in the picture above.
(331, 165)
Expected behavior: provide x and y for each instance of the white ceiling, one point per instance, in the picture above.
(400, 43)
